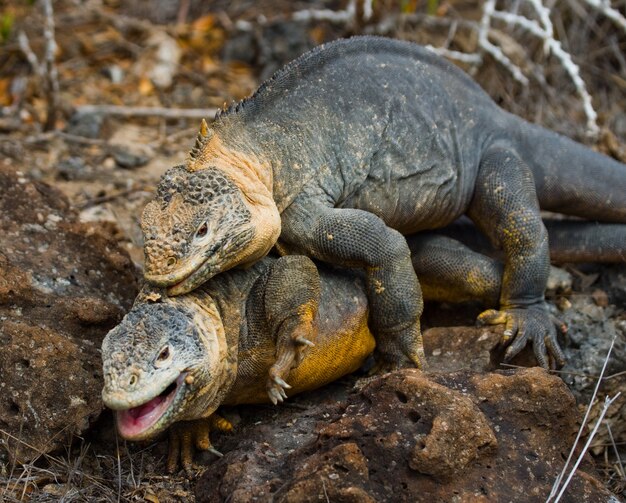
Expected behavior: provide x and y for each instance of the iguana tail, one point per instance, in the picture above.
(579, 241)
(571, 178)
(569, 241)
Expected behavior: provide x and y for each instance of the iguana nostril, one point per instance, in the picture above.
(133, 379)
(171, 262)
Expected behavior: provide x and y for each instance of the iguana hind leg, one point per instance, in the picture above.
(356, 238)
(185, 436)
(506, 209)
(450, 271)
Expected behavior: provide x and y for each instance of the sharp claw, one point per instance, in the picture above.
(213, 450)
(275, 396)
(271, 394)
(305, 342)
(281, 382)
(283, 394)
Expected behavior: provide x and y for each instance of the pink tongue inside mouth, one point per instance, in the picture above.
(131, 423)
(145, 409)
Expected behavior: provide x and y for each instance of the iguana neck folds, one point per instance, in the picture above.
(254, 178)
(250, 174)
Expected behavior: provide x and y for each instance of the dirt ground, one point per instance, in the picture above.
(92, 140)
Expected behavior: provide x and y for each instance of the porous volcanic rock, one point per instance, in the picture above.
(411, 436)
(63, 285)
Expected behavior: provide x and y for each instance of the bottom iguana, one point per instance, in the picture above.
(238, 338)
(178, 359)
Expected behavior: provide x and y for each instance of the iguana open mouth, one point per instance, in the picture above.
(135, 422)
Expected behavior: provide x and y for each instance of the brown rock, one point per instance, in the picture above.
(410, 436)
(63, 284)
(449, 349)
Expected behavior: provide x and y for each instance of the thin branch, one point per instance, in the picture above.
(368, 10)
(556, 49)
(617, 456)
(31, 57)
(474, 59)
(557, 482)
(167, 113)
(607, 403)
(342, 16)
(604, 6)
(496, 52)
(52, 76)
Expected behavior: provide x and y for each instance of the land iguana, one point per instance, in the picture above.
(239, 337)
(356, 144)
(177, 359)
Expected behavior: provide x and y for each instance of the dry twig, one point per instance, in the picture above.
(45, 70)
(166, 113)
(553, 496)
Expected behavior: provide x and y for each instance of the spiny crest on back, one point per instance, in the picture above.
(293, 70)
(204, 135)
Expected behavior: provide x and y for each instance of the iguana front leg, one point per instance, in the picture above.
(291, 297)
(356, 238)
(185, 436)
(506, 209)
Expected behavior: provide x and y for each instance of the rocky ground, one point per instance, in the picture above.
(70, 262)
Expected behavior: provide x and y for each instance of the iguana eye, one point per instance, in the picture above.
(163, 356)
(202, 231)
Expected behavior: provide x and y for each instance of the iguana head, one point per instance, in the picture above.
(165, 362)
(213, 214)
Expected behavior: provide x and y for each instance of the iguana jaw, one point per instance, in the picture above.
(201, 267)
(152, 417)
(167, 361)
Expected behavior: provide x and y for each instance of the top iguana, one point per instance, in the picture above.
(356, 143)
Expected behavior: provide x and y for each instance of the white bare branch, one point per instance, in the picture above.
(557, 482)
(51, 74)
(165, 112)
(368, 10)
(554, 47)
(31, 57)
(471, 58)
(607, 403)
(495, 51)
(342, 16)
(604, 6)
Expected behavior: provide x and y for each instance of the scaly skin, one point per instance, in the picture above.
(240, 337)
(237, 339)
(358, 143)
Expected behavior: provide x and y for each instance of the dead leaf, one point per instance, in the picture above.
(145, 86)
(153, 498)
(5, 92)
(203, 24)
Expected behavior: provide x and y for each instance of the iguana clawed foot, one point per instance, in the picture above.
(532, 323)
(187, 435)
(289, 354)
(400, 348)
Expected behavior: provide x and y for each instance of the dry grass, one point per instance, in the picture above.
(93, 473)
